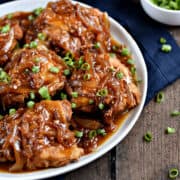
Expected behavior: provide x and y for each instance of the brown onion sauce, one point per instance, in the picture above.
(101, 139)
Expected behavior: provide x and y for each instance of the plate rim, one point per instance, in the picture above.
(40, 174)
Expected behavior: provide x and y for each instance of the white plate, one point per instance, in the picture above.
(122, 36)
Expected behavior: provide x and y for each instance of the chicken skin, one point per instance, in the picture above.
(29, 70)
(38, 137)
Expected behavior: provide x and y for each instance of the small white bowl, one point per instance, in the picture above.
(162, 15)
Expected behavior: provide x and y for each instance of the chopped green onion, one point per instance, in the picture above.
(9, 16)
(33, 44)
(69, 59)
(54, 69)
(130, 61)
(63, 96)
(97, 45)
(70, 63)
(36, 59)
(173, 5)
(162, 40)
(4, 77)
(112, 55)
(175, 113)
(67, 72)
(30, 104)
(26, 46)
(133, 70)
(173, 173)
(32, 95)
(91, 101)
(74, 94)
(87, 77)
(78, 134)
(119, 75)
(68, 56)
(148, 136)
(125, 52)
(12, 111)
(41, 36)
(1, 117)
(102, 92)
(3, 74)
(166, 48)
(111, 69)
(44, 92)
(92, 134)
(35, 69)
(101, 106)
(73, 105)
(170, 130)
(160, 97)
(101, 132)
(5, 29)
(38, 11)
(31, 17)
(79, 62)
(85, 66)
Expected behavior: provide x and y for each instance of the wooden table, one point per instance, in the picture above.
(134, 159)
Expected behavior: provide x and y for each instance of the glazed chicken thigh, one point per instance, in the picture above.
(71, 28)
(106, 86)
(29, 70)
(13, 29)
(38, 137)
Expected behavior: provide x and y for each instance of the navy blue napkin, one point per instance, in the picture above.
(163, 68)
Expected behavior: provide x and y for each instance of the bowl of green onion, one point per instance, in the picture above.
(163, 11)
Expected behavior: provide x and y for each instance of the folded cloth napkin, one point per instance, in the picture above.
(163, 68)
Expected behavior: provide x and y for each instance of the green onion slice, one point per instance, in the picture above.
(170, 130)
(166, 48)
(85, 66)
(101, 106)
(162, 40)
(92, 134)
(54, 69)
(63, 96)
(102, 92)
(12, 111)
(44, 92)
(30, 104)
(78, 134)
(160, 97)
(119, 75)
(175, 113)
(101, 132)
(125, 52)
(148, 136)
(173, 173)
(5, 29)
(73, 105)
(74, 94)
(35, 69)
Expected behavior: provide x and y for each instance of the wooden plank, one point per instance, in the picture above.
(138, 160)
(99, 169)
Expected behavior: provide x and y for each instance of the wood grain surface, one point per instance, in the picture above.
(134, 159)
